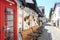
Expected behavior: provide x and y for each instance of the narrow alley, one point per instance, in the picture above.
(50, 33)
(29, 19)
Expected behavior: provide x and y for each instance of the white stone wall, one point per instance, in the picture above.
(57, 15)
(22, 13)
(19, 17)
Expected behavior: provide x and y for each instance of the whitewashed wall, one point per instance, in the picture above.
(29, 1)
(19, 15)
(57, 17)
(57, 12)
(32, 13)
(24, 13)
(26, 26)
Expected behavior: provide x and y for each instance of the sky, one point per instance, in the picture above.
(48, 4)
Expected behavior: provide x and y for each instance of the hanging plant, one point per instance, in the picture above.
(25, 19)
(29, 23)
(28, 17)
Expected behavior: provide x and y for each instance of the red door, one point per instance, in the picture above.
(8, 20)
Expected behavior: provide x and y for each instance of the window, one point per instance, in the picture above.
(10, 29)
(11, 35)
(10, 23)
(9, 17)
(9, 10)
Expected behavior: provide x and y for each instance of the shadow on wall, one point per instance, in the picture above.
(45, 35)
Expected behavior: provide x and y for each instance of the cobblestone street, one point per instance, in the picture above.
(50, 33)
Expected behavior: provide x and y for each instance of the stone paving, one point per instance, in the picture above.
(50, 33)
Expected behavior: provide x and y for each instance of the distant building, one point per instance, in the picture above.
(42, 18)
(42, 9)
(56, 15)
(52, 16)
